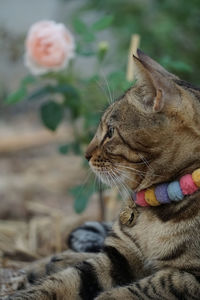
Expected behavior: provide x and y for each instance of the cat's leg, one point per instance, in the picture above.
(71, 284)
(168, 284)
(88, 237)
(38, 270)
(117, 264)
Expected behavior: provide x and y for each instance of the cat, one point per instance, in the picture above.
(147, 139)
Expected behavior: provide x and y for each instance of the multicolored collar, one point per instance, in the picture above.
(170, 191)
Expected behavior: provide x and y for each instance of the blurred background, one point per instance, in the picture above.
(47, 121)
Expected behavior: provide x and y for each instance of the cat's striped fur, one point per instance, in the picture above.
(151, 135)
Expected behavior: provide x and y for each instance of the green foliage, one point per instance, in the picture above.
(103, 23)
(17, 95)
(117, 80)
(79, 26)
(21, 92)
(167, 28)
(81, 194)
(51, 114)
(177, 65)
(70, 147)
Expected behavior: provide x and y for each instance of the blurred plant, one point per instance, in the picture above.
(67, 93)
(169, 31)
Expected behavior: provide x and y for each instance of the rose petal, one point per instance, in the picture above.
(49, 47)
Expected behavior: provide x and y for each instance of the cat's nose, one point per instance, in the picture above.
(88, 156)
(91, 149)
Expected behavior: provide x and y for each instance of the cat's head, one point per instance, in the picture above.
(151, 134)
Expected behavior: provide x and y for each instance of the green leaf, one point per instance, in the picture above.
(51, 114)
(88, 36)
(38, 93)
(79, 26)
(103, 23)
(65, 89)
(81, 195)
(70, 147)
(65, 149)
(16, 96)
(21, 93)
(76, 148)
(28, 80)
(80, 204)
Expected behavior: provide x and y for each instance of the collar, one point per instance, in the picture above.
(169, 191)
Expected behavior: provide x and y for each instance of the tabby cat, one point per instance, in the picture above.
(151, 135)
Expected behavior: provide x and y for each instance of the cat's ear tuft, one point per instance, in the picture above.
(144, 89)
(151, 64)
(143, 79)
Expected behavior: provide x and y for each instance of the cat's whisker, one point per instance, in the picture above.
(96, 181)
(104, 177)
(116, 185)
(112, 180)
(145, 161)
(149, 166)
(108, 88)
(123, 185)
(124, 172)
(88, 176)
(113, 94)
(104, 91)
(125, 190)
(129, 169)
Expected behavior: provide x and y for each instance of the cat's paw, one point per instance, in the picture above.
(89, 237)
(38, 271)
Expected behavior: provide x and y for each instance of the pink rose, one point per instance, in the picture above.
(49, 47)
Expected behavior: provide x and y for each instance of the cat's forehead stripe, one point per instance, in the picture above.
(107, 113)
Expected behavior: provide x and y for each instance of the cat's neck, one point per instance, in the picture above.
(169, 192)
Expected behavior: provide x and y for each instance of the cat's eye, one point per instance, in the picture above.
(110, 132)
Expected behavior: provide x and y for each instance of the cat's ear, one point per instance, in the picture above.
(154, 84)
(151, 64)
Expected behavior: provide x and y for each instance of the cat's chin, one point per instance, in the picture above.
(103, 178)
